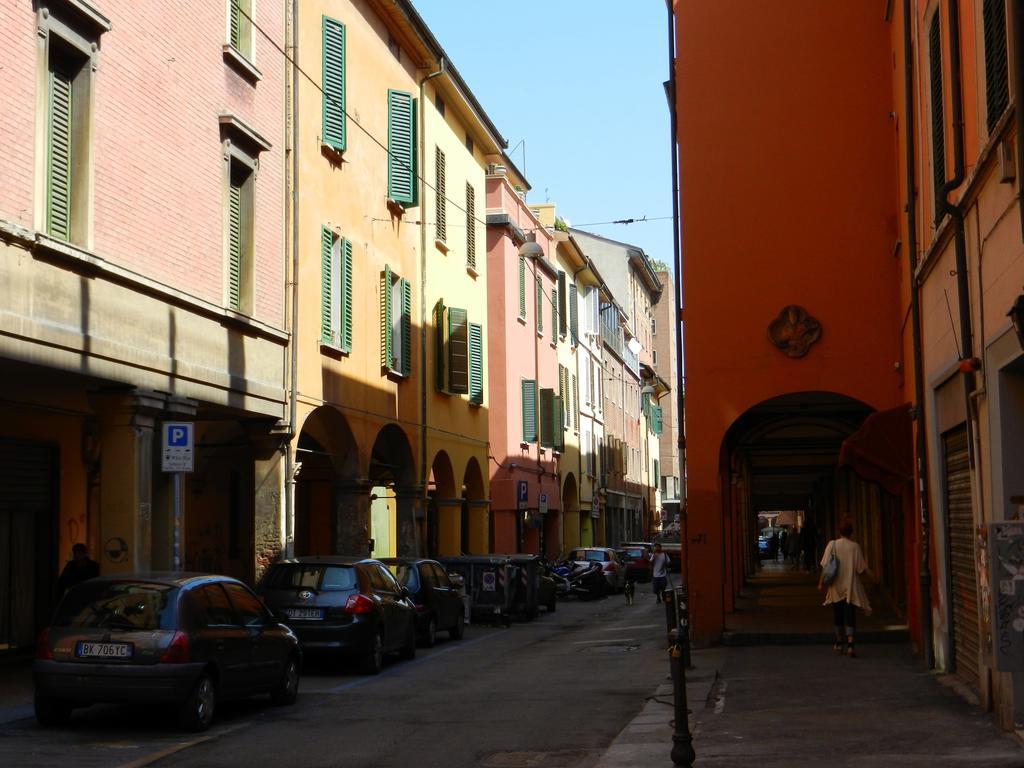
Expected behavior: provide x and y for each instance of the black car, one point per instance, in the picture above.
(344, 607)
(190, 639)
(438, 604)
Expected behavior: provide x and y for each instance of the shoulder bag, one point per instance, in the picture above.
(831, 570)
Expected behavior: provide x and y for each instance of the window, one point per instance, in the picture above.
(240, 26)
(540, 303)
(395, 323)
(654, 327)
(657, 474)
(548, 418)
(575, 394)
(471, 227)
(654, 356)
(240, 237)
(522, 286)
(401, 148)
(215, 607)
(247, 607)
(656, 420)
(241, 148)
(563, 386)
(938, 120)
(476, 364)
(64, 163)
(997, 93)
(528, 407)
(574, 315)
(440, 197)
(335, 290)
(334, 122)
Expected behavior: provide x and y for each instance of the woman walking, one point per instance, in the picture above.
(846, 592)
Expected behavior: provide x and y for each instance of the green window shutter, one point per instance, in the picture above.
(401, 148)
(458, 352)
(334, 123)
(938, 119)
(236, 24)
(657, 474)
(554, 313)
(561, 390)
(234, 245)
(540, 304)
(658, 425)
(529, 409)
(575, 404)
(548, 418)
(59, 180)
(385, 318)
(558, 419)
(561, 304)
(522, 286)
(439, 350)
(471, 227)
(440, 196)
(326, 286)
(997, 92)
(346, 296)
(406, 328)
(476, 363)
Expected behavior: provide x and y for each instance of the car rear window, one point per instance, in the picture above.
(406, 575)
(324, 578)
(128, 605)
(637, 552)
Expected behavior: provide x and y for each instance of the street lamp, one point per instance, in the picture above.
(1016, 315)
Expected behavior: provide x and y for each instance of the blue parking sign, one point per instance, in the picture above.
(177, 449)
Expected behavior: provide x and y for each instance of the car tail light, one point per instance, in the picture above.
(43, 649)
(177, 652)
(357, 604)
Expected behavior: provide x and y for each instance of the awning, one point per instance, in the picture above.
(880, 451)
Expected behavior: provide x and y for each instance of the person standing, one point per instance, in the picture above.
(80, 568)
(846, 592)
(659, 571)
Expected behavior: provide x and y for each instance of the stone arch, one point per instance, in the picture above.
(568, 527)
(441, 498)
(328, 516)
(475, 518)
(393, 495)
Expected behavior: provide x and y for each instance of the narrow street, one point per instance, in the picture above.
(568, 682)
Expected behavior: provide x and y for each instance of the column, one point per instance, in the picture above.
(449, 527)
(127, 422)
(351, 504)
(479, 526)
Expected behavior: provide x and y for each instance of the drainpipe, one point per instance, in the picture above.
(677, 263)
(1017, 35)
(424, 460)
(289, 464)
(921, 447)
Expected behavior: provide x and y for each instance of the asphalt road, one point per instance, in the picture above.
(552, 692)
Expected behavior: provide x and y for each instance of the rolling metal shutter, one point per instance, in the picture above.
(963, 578)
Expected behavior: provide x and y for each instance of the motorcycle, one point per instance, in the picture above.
(584, 578)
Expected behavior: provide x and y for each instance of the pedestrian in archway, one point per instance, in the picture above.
(846, 592)
(80, 568)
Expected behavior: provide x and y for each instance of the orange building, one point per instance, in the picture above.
(791, 304)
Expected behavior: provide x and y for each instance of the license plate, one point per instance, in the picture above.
(308, 614)
(85, 650)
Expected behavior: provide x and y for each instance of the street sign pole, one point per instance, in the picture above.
(177, 456)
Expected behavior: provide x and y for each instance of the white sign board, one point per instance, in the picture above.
(542, 504)
(177, 450)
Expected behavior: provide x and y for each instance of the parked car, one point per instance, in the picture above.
(189, 639)
(437, 601)
(344, 607)
(614, 571)
(634, 556)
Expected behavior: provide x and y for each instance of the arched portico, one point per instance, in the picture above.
(394, 497)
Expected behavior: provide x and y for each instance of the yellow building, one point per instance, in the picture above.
(390, 289)
(457, 143)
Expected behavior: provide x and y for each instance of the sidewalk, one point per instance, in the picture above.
(780, 706)
(15, 690)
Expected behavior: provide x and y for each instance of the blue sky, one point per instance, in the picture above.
(581, 82)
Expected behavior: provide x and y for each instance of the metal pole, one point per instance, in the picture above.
(682, 739)
(177, 521)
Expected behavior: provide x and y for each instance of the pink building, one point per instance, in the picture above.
(142, 266)
(525, 431)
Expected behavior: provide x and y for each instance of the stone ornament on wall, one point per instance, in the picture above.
(794, 331)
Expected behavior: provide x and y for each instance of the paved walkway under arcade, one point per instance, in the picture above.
(780, 605)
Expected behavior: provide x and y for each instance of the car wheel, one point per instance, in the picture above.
(457, 629)
(51, 712)
(408, 651)
(287, 688)
(430, 633)
(196, 712)
(373, 661)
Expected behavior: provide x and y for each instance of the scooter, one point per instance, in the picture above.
(587, 581)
